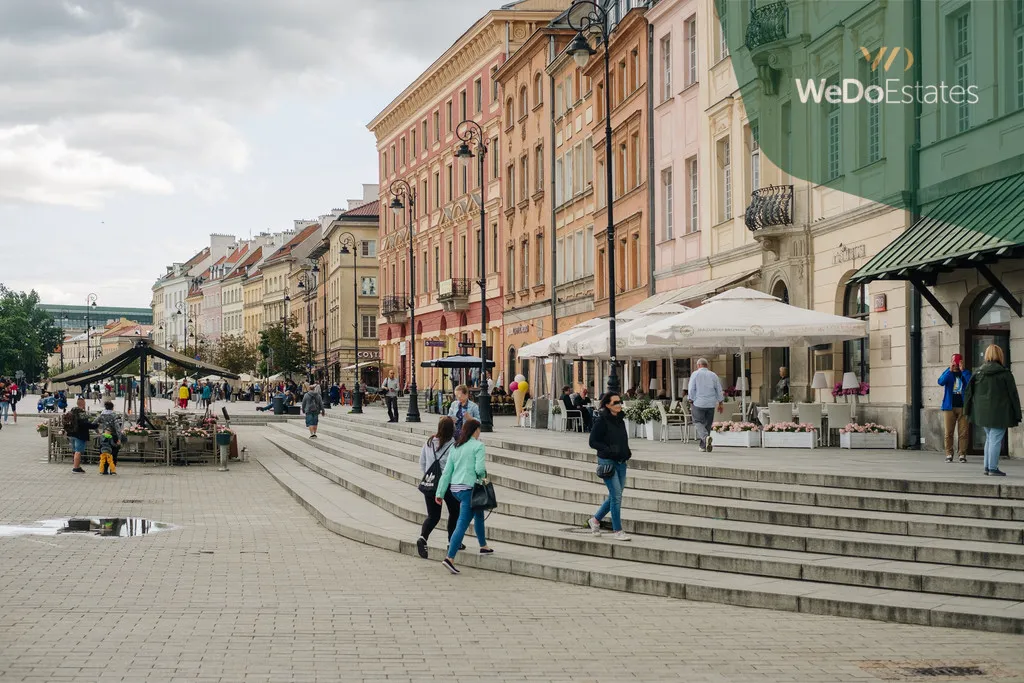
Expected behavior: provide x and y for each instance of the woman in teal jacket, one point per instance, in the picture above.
(465, 467)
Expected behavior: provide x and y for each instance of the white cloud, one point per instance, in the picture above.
(45, 170)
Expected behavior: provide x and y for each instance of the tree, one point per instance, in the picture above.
(27, 334)
(282, 353)
(237, 355)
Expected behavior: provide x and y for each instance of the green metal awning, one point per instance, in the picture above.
(969, 229)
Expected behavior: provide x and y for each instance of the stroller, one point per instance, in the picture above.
(47, 405)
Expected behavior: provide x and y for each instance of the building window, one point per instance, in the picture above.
(666, 68)
(464, 172)
(599, 98)
(510, 109)
(368, 248)
(832, 139)
(437, 263)
(448, 117)
(494, 84)
(638, 167)
(690, 27)
(873, 150)
(755, 156)
(478, 96)
(437, 126)
(524, 102)
(495, 159)
(569, 263)
(559, 189)
(539, 242)
(525, 274)
(559, 101)
(538, 89)
(725, 166)
(588, 162)
(425, 139)
(666, 201)
(369, 327)
(577, 170)
(538, 165)
(451, 183)
(634, 61)
(437, 189)
(588, 251)
(524, 177)
(425, 209)
(426, 272)
(577, 254)
(510, 269)
(856, 352)
(403, 152)
(962, 66)
(602, 196)
(369, 287)
(510, 185)
(494, 247)
(620, 183)
(723, 38)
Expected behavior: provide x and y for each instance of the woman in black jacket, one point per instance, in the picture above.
(608, 437)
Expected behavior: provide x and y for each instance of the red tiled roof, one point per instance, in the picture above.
(238, 253)
(221, 260)
(368, 209)
(197, 258)
(294, 242)
(249, 262)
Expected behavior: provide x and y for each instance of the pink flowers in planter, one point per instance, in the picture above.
(734, 427)
(863, 390)
(868, 428)
(789, 427)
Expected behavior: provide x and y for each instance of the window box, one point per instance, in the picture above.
(749, 439)
(867, 440)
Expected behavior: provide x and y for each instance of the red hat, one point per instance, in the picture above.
(958, 359)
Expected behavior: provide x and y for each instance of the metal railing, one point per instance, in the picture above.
(772, 205)
(455, 288)
(394, 304)
(768, 24)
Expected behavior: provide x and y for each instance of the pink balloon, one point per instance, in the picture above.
(513, 386)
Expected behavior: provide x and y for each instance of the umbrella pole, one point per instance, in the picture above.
(672, 374)
(743, 384)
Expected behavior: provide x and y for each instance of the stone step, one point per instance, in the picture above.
(728, 532)
(344, 510)
(791, 494)
(585, 488)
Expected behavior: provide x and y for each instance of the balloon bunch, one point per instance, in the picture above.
(519, 387)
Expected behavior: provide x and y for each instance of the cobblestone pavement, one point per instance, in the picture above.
(250, 588)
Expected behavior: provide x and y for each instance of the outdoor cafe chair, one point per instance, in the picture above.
(780, 412)
(811, 413)
(839, 415)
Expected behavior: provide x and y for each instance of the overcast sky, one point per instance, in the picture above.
(131, 129)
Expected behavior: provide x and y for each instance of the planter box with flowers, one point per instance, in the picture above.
(640, 416)
(196, 439)
(43, 429)
(743, 434)
(224, 435)
(557, 421)
(868, 435)
(789, 435)
(136, 435)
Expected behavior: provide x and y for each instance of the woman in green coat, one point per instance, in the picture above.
(992, 403)
(464, 468)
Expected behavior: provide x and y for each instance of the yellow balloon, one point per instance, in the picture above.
(524, 387)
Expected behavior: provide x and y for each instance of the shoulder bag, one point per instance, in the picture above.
(483, 496)
(433, 474)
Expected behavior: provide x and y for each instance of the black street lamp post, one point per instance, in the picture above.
(90, 303)
(587, 17)
(348, 245)
(308, 284)
(400, 188)
(469, 131)
(63, 319)
(326, 379)
(181, 311)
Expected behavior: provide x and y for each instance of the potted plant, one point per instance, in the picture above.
(196, 438)
(652, 422)
(868, 435)
(557, 419)
(788, 435)
(634, 415)
(136, 435)
(224, 435)
(43, 429)
(743, 434)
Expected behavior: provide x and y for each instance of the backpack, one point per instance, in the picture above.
(70, 421)
(433, 473)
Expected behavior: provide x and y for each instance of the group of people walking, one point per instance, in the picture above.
(10, 394)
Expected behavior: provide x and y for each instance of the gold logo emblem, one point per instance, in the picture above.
(880, 55)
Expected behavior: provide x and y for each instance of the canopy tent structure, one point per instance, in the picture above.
(745, 318)
(142, 351)
(561, 343)
(456, 362)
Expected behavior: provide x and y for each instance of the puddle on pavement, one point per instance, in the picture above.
(120, 527)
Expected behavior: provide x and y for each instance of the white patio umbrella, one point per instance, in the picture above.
(745, 318)
(558, 344)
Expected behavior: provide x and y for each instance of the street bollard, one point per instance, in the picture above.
(224, 450)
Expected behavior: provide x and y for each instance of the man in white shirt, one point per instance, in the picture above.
(706, 394)
(391, 397)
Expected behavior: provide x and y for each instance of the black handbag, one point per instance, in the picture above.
(605, 471)
(483, 496)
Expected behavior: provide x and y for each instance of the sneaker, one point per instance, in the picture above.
(621, 536)
(450, 566)
(486, 551)
(113, 474)
(78, 470)
(104, 473)
(996, 473)
(707, 445)
(949, 458)
(421, 547)
(595, 526)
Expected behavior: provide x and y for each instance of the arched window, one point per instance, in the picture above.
(511, 364)
(538, 89)
(856, 352)
(524, 102)
(510, 112)
(990, 324)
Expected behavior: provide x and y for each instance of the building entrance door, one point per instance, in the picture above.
(990, 324)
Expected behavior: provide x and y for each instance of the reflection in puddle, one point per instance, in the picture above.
(95, 526)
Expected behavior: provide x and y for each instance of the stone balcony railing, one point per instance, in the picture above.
(395, 308)
(453, 294)
(768, 24)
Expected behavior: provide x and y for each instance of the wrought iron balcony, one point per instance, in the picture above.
(395, 307)
(768, 24)
(454, 293)
(769, 206)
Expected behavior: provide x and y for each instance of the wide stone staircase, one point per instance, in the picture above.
(921, 552)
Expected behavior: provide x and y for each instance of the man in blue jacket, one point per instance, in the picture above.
(954, 381)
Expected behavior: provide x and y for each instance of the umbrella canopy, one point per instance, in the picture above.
(594, 343)
(560, 344)
(745, 318)
(468, 362)
(246, 377)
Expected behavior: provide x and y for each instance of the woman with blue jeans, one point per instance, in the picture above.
(464, 468)
(992, 403)
(609, 438)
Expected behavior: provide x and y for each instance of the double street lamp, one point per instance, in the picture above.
(399, 189)
(587, 17)
(470, 131)
(348, 246)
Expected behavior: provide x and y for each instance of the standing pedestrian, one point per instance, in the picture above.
(227, 391)
(464, 468)
(77, 427)
(183, 394)
(609, 438)
(433, 458)
(705, 392)
(391, 397)
(334, 393)
(15, 397)
(5, 399)
(207, 394)
(953, 381)
(462, 408)
(312, 406)
(992, 402)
